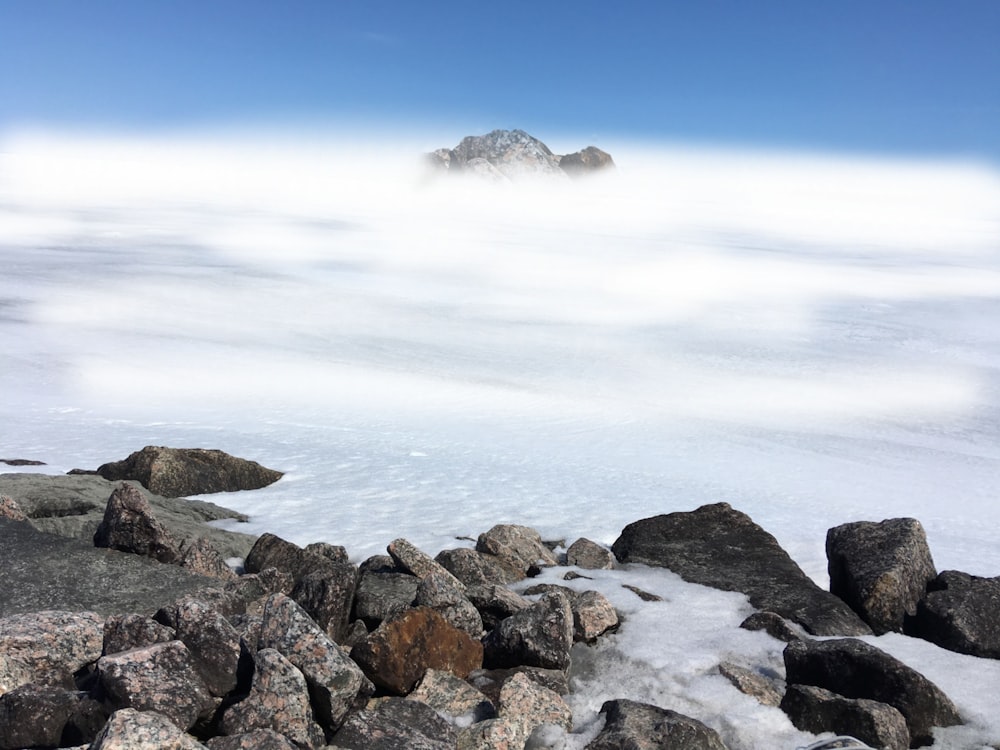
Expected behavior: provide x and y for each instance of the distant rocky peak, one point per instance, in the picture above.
(504, 155)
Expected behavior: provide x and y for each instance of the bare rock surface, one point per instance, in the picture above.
(201, 557)
(441, 591)
(589, 555)
(160, 678)
(396, 655)
(452, 696)
(336, 683)
(593, 614)
(718, 546)
(176, 472)
(73, 506)
(640, 726)
(960, 612)
(213, 642)
(586, 161)
(855, 669)
(382, 591)
(46, 648)
(258, 739)
(327, 594)
(473, 568)
(813, 709)
(518, 548)
(532, 705)
(395, 723)
(539, 636)
(129, 729)
(775, 626)
(880, 569)
(278, 700)
(412, 560)
(124, 632)
(491, 681)
(496, 603)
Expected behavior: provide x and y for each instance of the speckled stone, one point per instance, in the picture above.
(452, 696)
(130, 526)
(129, 729)
(47, 647)
(416, 562)
(123, 632)
(524, 700)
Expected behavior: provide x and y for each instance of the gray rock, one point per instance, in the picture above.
(270, 551)
(130, 526)
(44, 571)
(880, 569)
(259, 739)
(335, 553)
(336, 683)
(723, 548)
(813, 709)
(176, 472)
(40, 716)
(396, 723)
(588, 161)
(130, 729)
(396, 655)
(491, 681)
(538, 636)
(452, 696)
(213, 643)
(201, 556)
(583, 553)
(493, 734)
(593, 614)
(124, 632)
(46, 648)
(750, 682)
(513, 153)
(278, 700)
(519, 548)
(495, 603)
(960, 612)
(774, 625)
(160, 678)
(74, 505)
(640, 726)
(382, 592)
(410, 559)
(327, 595)
(473, 568)
(855, 669)
(533, 705)
(441, 591)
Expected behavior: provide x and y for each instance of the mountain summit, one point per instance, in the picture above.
(503, 155)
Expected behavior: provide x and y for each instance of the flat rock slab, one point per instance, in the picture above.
(73, 505)
(720, 547)
(42, 571)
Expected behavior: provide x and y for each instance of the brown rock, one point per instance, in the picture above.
(129, 526)
(587, 161)
(398, 653)
(10, 509)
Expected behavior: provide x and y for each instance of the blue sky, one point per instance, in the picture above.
(877, 76)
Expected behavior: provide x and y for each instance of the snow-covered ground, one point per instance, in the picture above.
(814, 340)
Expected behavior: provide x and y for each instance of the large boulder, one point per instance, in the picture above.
(640, 726)
(396, 723)
(176, 472)
(41, 716)
(130, 526)
(473, 568)
(589, 555)
(880, 569)
(382, 591)
(518, 548)
(718, 546)
(130, 729)
(47, 648)
(538, 636)
(855, 669)
(443, 592)
(960, 612)
(213, 642)
(124, 632)
(586, 161)
(814, 709)
(404, 647)
(453, 697)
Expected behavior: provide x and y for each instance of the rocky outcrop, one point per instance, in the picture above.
(880, 569)
(960, 612)
(505, 155)
(718, 546)
(176, 472)
(640, 726)
(855, 669)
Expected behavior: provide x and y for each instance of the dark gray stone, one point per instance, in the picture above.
(718, 546)
(396, 723)
(382, 591)
(214, 644)
(593, 614)
(960, 612)
(259, 739)
(538, 636)
(855, 669)
(40, 716)
(176, 472)
(880, 569)
(495, 603)
(640, 726)
(774, 625)
(813, 709)
(129, 525)
(124, 632)
(270, 551)
(441, 591)
(327, 594)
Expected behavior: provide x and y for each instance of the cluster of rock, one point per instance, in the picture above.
(505, 155)
(305, 649)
